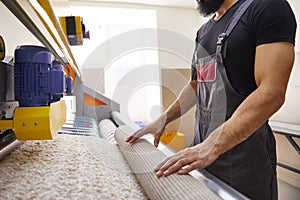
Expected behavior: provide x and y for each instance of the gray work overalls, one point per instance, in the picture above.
(250, 167)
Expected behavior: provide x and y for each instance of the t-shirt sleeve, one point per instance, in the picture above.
(274, 22)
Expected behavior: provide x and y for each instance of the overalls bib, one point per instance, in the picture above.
(250, 167)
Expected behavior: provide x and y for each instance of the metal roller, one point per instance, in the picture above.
(107, 130)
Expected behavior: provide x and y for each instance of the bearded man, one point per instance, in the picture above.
(239, 75)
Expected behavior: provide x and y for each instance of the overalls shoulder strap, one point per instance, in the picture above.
(222, 38)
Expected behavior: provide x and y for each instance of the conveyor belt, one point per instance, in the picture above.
(80, 125)
(143, 157)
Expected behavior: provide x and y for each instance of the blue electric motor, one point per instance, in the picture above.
(58, 74)
(37, 83)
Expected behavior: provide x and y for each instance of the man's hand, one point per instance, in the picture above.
(157, 128)
(187, 160)
(184, 102)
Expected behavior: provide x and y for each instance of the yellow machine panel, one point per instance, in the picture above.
(39, 123)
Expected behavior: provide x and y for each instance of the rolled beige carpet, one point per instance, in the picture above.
(142, 157)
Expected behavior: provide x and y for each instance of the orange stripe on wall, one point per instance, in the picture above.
(70, 72)
(91, 101)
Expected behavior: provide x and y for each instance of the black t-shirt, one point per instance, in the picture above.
(265, 21)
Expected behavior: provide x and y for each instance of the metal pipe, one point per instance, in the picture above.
(6, 150)
(288, 167)
(293, 143)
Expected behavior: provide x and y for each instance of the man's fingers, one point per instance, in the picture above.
(129, 138)
(133, 138)
(189, 168)
(176, 166)
(167, 162)
(159, 173)
(167, 168)
(156, 140)
(161, 164)
(183, 162)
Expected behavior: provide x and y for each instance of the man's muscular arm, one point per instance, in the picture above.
(273, 65)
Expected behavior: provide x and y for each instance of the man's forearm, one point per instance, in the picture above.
(184, 102)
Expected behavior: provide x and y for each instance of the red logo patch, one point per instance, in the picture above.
(207, 72)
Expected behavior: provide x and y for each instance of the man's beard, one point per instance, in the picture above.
(208, 7)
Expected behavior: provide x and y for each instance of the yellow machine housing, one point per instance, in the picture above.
(37, 123)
